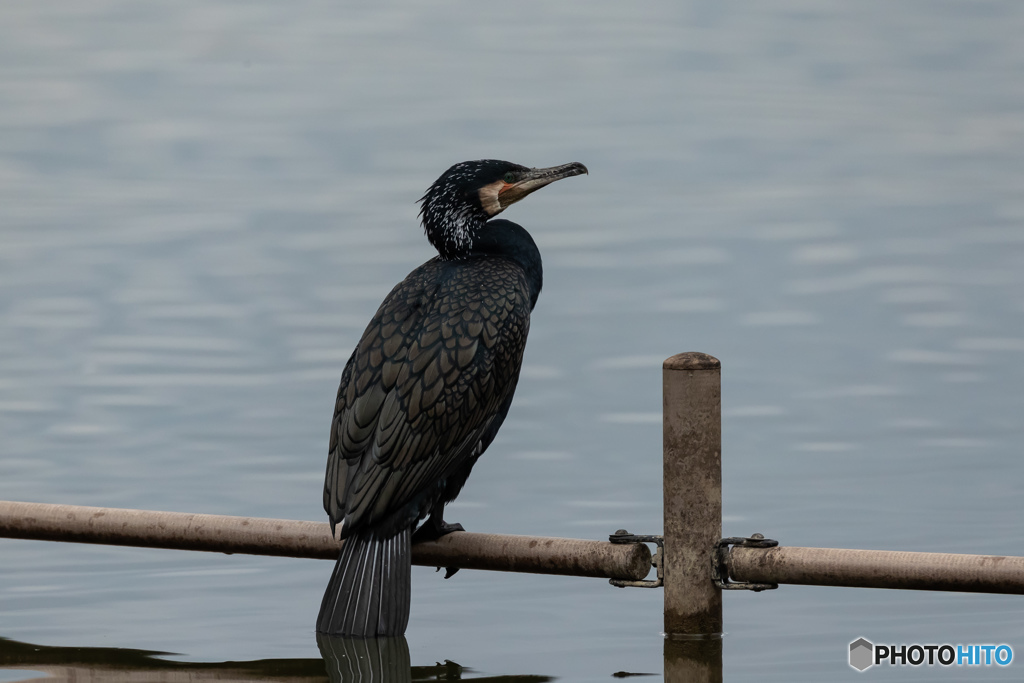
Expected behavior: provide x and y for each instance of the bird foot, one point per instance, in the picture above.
(431, 531)
(449, 572)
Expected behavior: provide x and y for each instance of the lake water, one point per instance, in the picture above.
(203, 203)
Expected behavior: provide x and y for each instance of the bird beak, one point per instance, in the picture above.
(534, 179)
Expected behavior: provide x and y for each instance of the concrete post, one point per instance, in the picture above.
(693, 492)
(692, 422)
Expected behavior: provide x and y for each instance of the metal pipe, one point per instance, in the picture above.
(878, 569)
(692, 424)
(535, 555)
(290, 538)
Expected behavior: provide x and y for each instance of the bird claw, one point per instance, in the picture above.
(449, 572)
(431, 531)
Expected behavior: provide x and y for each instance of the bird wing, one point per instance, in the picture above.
(430, 374)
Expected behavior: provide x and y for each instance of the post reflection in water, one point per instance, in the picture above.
(693, 660)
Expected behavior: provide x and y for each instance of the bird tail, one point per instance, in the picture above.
(368, 594)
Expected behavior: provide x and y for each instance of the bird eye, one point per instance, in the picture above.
(510, 177)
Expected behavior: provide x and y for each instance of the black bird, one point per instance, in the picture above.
(427, 388)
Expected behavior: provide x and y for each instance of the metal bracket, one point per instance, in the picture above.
(623, 536)
(720, 570)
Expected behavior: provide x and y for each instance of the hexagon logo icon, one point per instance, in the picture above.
(861, 654)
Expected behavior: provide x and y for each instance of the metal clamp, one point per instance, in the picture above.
(623, 536)
(720, 570)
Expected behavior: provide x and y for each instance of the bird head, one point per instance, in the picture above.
(459, 203)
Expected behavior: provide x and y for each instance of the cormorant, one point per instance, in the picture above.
(427, 388)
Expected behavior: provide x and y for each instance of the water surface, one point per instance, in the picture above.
(201, 205)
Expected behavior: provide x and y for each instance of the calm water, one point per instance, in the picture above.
(202, 204)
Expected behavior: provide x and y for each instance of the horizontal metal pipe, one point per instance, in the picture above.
(290, 538)
(536, 555)
(878, 569)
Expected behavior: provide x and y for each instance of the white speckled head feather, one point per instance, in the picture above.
(458, 205)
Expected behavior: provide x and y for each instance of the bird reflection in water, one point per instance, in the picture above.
(366, 659)
(381, 660)
(386, 660)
